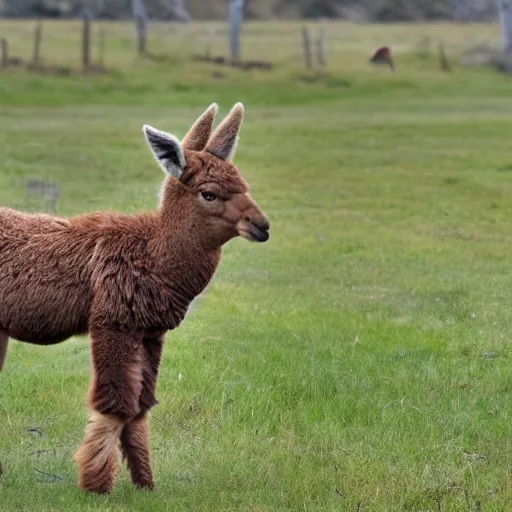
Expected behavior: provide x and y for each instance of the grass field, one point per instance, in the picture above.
(360, 360)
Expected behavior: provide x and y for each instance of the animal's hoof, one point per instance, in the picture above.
(97, 456)
(145, 485)
(102, 483)
(97, 490)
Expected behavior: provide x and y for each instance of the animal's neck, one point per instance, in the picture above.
(174, 204)
(181, 245)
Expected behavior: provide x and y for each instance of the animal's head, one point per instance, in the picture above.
(200, 169)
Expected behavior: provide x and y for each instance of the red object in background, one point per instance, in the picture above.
(383, 56)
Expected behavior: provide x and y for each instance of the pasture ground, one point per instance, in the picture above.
(361, 360)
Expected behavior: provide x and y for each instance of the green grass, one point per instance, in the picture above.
(361, 359)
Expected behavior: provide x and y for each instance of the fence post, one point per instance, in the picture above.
(141, 20)
(4, 53)
(38, 34)
(444, 63)
(236, 18)
(505, 11)
(101, 34)
(141, 34)
(320, 46)
(307, 47)
(86, 40)
(101, 46)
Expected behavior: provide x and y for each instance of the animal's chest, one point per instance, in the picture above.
(158, 300)
(179, 294)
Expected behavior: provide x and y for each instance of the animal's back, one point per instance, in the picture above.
(45, 290)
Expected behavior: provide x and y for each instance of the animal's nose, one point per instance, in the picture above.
(261, 223)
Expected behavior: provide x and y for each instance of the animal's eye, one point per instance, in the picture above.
(209, 196)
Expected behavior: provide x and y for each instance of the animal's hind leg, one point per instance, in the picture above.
(114, 398)
(135, 449)
(135, 435)
(4, 341)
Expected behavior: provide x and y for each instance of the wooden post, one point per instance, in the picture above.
(505, 9)
(4, 53)
(320, 46)
(307, 47)
(101, 34)
(101, 46)
(38, 34)
(141, 34)
(236, 18)
(444, 63)
(86, 41)
(141, 21)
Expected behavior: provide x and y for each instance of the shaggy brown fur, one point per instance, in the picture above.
(126, 280)
(135, 449)
(4, 340)
(97, 457)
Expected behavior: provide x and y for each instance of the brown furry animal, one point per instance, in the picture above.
(383, 56)
(126, 280)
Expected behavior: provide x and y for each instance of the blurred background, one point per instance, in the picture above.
(363, 10)
(359, 360)
(228, 17)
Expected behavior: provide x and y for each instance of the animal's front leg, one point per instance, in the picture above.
(135, 434)
(117, 373)
(97, 457)
(135, 449)
(114, 399)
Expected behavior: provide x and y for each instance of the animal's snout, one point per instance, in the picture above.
(259, 227)
(261, 223)
(262, 235)
(254, 227)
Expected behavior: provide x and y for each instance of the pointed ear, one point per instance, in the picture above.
(198, 135)
(166, 149)
(225, 138)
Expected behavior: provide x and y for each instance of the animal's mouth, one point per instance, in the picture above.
(253, 233)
